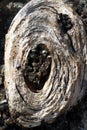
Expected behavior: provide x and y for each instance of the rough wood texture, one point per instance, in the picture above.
(45, 62)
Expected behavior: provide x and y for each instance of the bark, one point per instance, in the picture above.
(45, 62)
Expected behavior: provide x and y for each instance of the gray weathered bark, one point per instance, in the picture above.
(45, 62)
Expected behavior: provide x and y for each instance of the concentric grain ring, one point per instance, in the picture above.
(44, 62)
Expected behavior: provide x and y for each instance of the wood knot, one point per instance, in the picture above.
(45, 62)
(65, 22)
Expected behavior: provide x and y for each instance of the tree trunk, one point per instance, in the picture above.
(45, 62)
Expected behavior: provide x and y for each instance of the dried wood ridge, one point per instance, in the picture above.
(45, 62)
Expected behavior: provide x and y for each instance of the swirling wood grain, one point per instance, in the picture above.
(45, 59)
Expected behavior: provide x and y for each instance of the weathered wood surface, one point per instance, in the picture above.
(45, 62)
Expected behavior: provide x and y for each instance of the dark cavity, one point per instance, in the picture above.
(37, 68)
